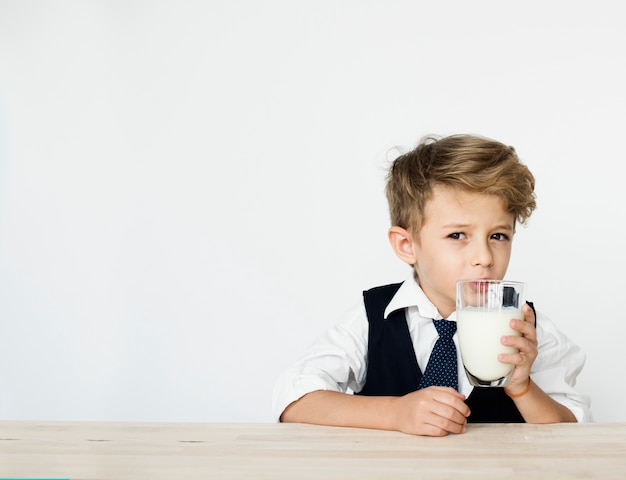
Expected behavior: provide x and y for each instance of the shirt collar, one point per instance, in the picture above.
(410, 294)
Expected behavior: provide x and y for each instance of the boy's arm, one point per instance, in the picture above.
(534, 404)
(434, 411)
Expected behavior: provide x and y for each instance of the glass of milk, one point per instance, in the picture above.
(484, 309)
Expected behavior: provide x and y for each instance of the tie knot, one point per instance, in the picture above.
(445, 328)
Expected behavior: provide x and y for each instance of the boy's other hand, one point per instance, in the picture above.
(433, 411)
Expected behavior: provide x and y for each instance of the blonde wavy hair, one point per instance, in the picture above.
(468, 162)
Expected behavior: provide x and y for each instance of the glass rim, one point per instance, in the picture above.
(490, 281)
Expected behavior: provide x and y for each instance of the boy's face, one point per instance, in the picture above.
(464, 235)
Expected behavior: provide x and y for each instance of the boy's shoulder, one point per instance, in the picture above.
(391, 288)
(376, 299)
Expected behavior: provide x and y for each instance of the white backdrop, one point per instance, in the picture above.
(191, 192)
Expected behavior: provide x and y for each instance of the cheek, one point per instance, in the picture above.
(440, 267)
(440, 258)
(502, 257)
(504, 252)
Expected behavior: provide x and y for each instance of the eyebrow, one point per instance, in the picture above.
(466, 225)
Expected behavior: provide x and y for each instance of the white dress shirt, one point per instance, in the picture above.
(338, 359)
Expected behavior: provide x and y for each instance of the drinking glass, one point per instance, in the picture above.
(484, 309)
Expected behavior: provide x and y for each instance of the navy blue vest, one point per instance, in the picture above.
(392, 367)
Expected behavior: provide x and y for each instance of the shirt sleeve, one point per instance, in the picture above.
(558, 363)
(336, 361)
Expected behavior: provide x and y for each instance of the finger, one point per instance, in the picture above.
(527, 351)
(448, 415)
(449, 402)
(529, 314)
(432, 430)
(526, 330)
(445, 419)
(444, 426)
(512, 358)
(449, 390)
(516, 341)
(525, 345)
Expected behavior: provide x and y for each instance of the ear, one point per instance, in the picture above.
(402, 243)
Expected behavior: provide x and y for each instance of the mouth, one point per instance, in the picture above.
(480, 285)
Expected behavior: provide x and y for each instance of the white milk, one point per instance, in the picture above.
(479, 339)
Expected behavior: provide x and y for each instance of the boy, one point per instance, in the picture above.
(454, 204)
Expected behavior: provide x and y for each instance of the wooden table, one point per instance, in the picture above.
(104, 450)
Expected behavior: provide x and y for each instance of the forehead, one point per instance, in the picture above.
(456, 205)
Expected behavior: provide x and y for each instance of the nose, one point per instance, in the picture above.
(482, 255)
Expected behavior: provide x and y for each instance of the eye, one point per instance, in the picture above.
(500, 236)
(457, 235)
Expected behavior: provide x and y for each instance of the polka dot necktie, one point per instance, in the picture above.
(442, 365)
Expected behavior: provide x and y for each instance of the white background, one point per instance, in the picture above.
(192, 191)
